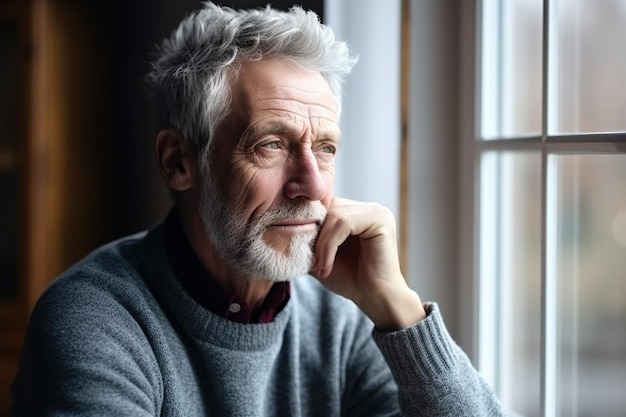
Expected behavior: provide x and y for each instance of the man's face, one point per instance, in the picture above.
(272, 170)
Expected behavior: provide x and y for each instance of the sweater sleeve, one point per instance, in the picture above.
(434, 376)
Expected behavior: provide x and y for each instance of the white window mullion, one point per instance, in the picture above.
(491, 74)
(550, 74)
(489, 270)
(550, 212)
(550, 274)
(506, 294)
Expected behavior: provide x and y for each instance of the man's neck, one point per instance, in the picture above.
(252, 290)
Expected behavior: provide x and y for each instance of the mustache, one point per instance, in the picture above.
(310, 210)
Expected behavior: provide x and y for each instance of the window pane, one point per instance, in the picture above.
(591, 66)
(510, 318)
(511, 68)
(590, 206)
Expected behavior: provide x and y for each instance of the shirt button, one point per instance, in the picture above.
(234, 308)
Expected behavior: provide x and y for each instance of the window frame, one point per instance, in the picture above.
(548, 146)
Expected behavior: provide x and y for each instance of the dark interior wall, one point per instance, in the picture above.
(134, 196)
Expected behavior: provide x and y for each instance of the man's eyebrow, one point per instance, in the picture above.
(329, 133)
(287, 127)
(266, 128)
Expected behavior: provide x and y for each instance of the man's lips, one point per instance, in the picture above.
(298, 225)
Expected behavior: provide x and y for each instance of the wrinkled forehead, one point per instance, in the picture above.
(294, 102)
(280, 85)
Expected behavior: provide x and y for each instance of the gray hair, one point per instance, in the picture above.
(190, 79)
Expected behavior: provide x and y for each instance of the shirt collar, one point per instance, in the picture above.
(200, 286)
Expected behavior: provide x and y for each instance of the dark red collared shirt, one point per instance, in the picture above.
(205, 291)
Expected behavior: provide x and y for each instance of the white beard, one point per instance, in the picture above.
(240, 244)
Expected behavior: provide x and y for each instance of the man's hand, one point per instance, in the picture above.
(356, 256)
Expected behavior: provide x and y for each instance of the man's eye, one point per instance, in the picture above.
(271, 145)
(329, 149)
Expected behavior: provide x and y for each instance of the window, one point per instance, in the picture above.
(551, 194)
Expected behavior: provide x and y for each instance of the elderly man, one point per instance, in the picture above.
(260, 293)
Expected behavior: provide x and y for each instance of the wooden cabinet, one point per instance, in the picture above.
(15, 88)
(51, 157)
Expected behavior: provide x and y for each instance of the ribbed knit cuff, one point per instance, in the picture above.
(420, 353)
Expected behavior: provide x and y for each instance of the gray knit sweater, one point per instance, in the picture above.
(117, 335)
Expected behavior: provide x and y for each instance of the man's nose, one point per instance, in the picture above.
(304, 178)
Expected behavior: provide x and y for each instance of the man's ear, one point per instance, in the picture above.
(176, 159)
